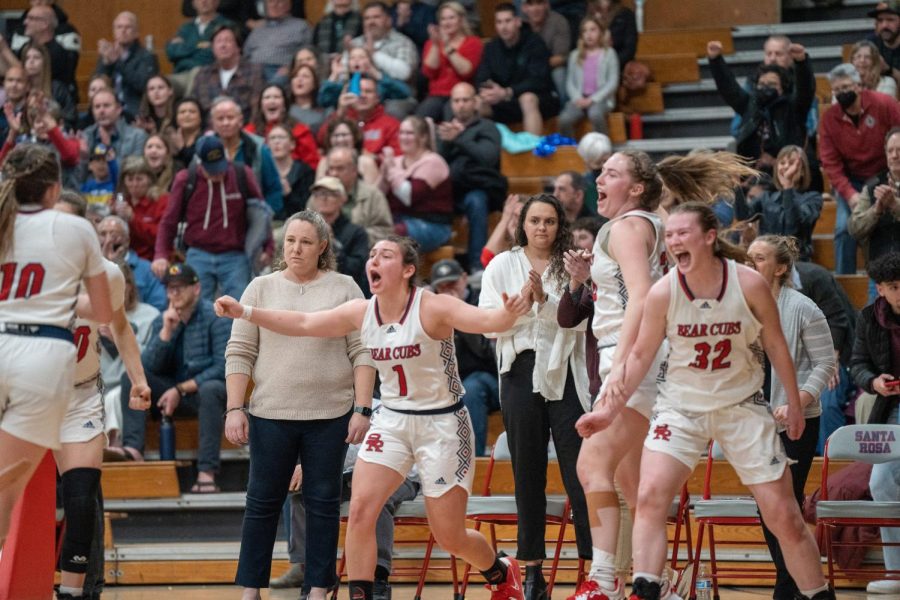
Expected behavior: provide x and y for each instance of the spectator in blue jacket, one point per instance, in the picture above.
(185, 366)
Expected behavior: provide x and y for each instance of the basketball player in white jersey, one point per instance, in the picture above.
(82, 434)
(44, 258)
(718, 317)
(629, 256)
(422, 420)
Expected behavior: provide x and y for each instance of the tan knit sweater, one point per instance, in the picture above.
(297, 378)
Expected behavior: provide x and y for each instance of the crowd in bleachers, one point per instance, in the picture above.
(383, 119)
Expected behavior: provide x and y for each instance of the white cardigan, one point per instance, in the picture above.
(556, 349)
(607, 78)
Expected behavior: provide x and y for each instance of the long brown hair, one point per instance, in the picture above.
(582, 51)
(708, 221)
(45, 84)
(29, 171)
(704, 176)
(563, 240)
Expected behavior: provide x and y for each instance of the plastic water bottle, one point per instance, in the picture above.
(704, 584)
(167, 440)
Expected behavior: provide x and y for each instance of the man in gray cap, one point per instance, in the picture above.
(474, 353)
(350, 241)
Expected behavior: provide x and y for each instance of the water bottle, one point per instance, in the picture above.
(167, 439)
(704, 584)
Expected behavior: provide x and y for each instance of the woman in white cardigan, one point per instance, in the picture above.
(543, 382)
(812, 350)
(591, 80)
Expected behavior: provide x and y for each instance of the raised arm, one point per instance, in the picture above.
(460, 315)
(335, 322)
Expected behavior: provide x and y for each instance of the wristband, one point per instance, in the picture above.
(248, 312)
(240, 408)
(180, 390)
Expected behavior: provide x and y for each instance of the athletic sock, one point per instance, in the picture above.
(813, 592)
(360, 590)
(382, 574)
(497, 573)
(72, 591)
(649, 577)
(603, 568)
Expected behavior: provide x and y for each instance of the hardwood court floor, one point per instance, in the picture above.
(401, 592)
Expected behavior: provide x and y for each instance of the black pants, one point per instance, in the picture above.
(803, 451)
(207, 403)
(530, 420)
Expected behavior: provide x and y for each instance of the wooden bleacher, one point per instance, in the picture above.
(691, 41)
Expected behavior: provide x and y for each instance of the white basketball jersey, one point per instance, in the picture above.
(40, 277)
(87, 337)
(416, 371)
(715, 359)
(610, 294)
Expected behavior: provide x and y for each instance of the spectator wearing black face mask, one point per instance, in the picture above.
(771, 117)
(851, 145)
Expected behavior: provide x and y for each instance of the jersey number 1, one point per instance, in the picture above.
(701, 361)
(31, 280)
(401, 377)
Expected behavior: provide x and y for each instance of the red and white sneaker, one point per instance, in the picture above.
(667, 591)
(591, 590)
(511, 589)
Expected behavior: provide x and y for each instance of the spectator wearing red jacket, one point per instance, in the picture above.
(851, 146)
(379, 128)
(272, 109)
(451, 56)
(142, 204)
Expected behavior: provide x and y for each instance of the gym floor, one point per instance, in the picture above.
(401, 592)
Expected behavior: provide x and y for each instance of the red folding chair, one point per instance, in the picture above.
(409, 514)
(873, 444)
(492, 510)
(729, 512)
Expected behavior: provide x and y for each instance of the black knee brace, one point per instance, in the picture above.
(80, 487)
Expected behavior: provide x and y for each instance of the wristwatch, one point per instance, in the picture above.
(363, 410)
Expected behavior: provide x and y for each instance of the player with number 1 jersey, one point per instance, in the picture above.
(421, 422)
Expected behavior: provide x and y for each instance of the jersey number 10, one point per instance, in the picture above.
(31, 280)
(722, 349)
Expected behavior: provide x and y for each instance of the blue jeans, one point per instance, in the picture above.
(833, 404)
(884, 483)
(844, 244)
(227, 273)
(274, 448)
(429, 235)
(482, 397)
(475, 205)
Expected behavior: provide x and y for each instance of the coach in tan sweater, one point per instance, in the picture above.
(311, 397)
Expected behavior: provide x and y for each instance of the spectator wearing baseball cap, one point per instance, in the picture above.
(886, 36)
(349, 241)
(212, 200)
(474, 353)
(100, 185)
(184, 361)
